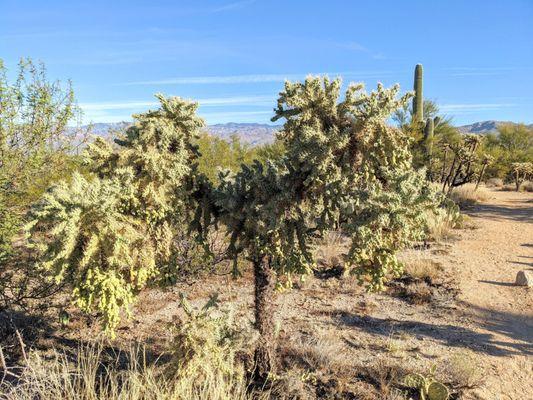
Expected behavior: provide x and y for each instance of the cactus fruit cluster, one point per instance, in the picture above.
(429, 388)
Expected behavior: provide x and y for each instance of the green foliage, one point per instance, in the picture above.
(512, 143)
(217, 155)
(35, 144)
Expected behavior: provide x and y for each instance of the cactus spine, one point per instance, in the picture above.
(418, 100)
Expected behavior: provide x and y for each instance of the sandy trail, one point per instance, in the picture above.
(487, 261)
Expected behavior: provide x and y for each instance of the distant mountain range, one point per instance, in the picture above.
(253, 134)
(484, 127)
(256, 134)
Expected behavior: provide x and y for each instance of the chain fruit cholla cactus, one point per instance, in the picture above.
(521, 171)
(109, 233)
(343, 165)
(486, 159)
(418, 99)
(462, 168)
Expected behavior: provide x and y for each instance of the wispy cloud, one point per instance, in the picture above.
(254, 78)
(355, 46)
(473, 108)
(481, 71)
(207, 102)
(232, 6)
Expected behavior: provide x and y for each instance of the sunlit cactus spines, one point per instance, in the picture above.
(111, 232)
(418, 99)
(343, 167)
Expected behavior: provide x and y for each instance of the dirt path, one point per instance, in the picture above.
(487, 260)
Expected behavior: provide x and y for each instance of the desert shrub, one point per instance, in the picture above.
(512, 143)
(204, 347)
(467, 195)
(217, 154)
(37, 147)
(92, 375)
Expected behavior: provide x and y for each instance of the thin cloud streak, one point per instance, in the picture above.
(256, 78)
(475, 107)
(215, 101)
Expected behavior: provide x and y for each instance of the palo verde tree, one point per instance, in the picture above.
(36, 145)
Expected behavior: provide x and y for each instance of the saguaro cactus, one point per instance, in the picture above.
(418, 100)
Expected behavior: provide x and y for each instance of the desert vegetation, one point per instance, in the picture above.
(343, 207)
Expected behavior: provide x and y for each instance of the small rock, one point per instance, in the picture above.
(524, 278)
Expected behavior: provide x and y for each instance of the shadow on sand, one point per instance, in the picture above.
(513, 326)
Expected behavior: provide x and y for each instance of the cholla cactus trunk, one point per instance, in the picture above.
(480, 177)
(265, 297)
(418, 100)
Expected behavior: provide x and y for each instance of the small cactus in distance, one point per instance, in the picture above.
(418, 99)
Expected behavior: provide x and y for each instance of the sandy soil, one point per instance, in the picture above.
(477, 323)
(487, 261)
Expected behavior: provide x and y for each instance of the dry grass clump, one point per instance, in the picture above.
(316, 354)
(494, 182)
(508, 188)
(330, 249)
(462, 371)
(421, 268)
(466, 195)
(89, 377)
(441, 225)
(203, 365)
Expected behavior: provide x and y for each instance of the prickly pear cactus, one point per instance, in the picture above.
(429, 388)
(437, 391)
(415, 381)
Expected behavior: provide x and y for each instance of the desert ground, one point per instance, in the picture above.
(457, 311)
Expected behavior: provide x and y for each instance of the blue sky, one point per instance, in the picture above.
(233, 56)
